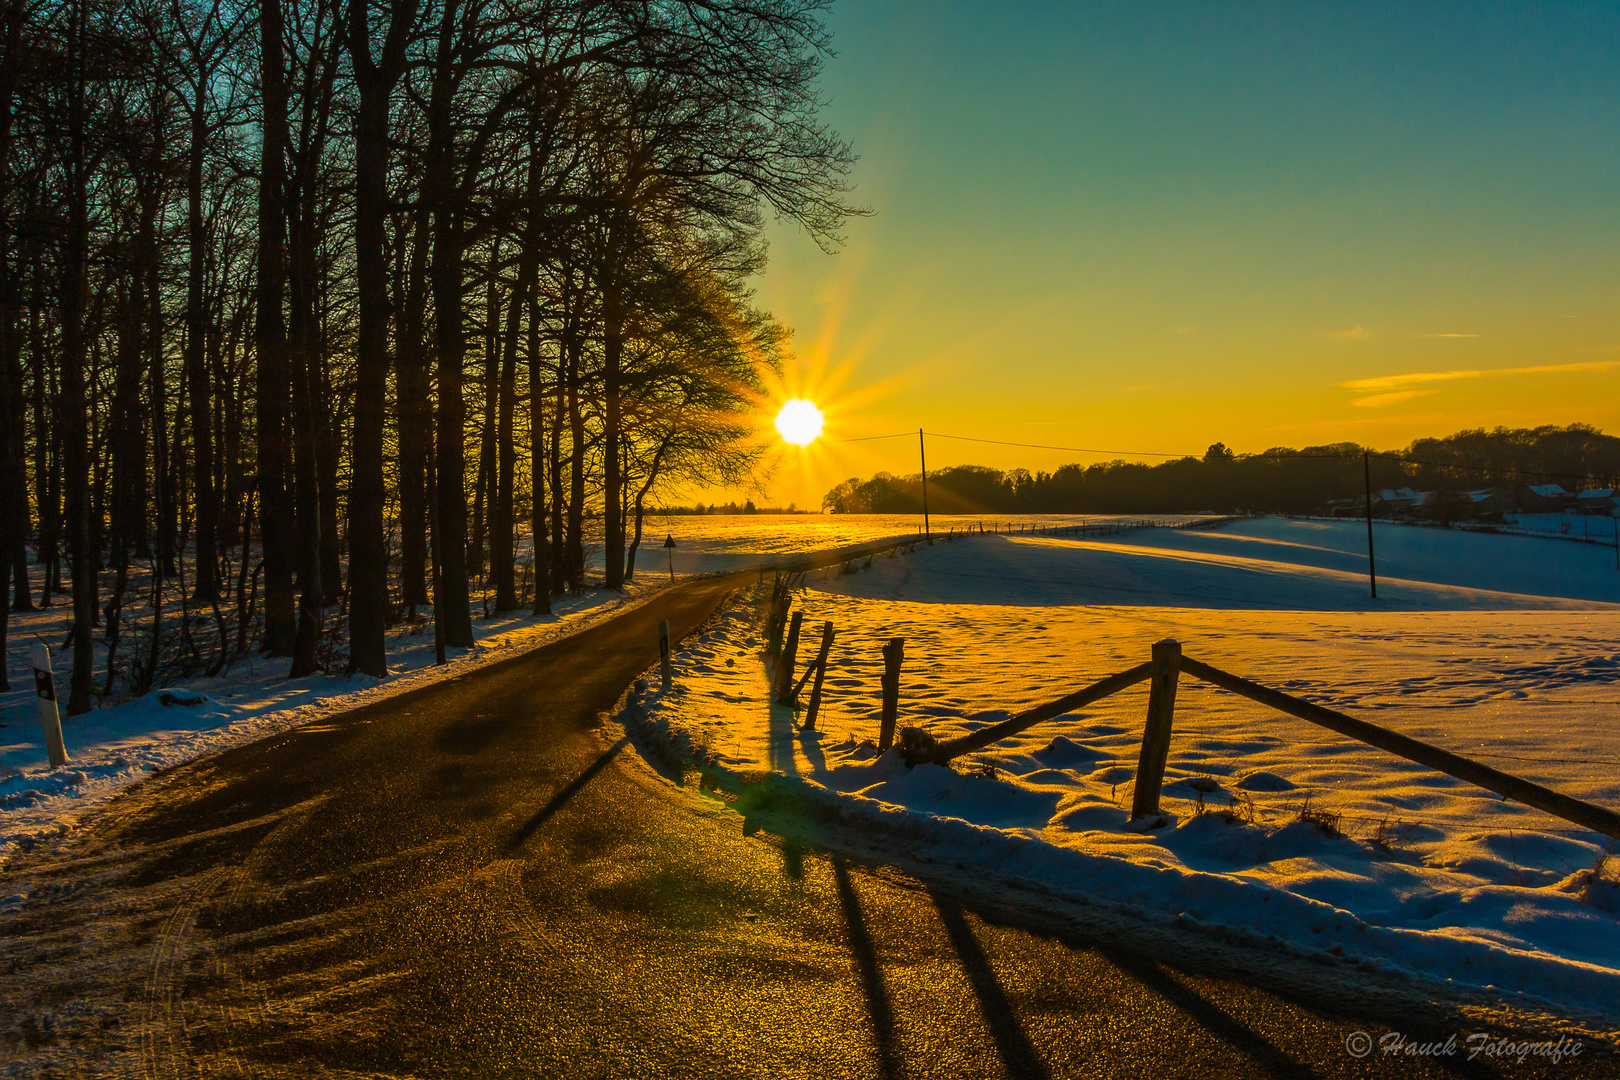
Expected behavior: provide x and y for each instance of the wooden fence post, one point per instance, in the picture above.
(790, 656)
(1156, 732)
(821, 673)
(893, 653)
(663, 654)
(775, 622)
(49, 718)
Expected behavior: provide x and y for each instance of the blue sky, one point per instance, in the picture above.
(1153, 226)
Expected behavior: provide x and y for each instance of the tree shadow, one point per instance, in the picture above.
(1018, 1057)
(780, 739)
(1210, 1017)
(559, 800)
(866, 963)
(810, 744)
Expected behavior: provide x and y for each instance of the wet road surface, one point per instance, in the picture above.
(469, 880)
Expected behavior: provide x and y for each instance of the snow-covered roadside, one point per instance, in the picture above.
(1409, 871)
(111, 748)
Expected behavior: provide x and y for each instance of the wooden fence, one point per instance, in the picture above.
(1165, 670)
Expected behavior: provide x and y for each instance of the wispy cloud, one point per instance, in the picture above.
(1451, 335)
(1380, 400)
(1354, 333)
(1417, 378)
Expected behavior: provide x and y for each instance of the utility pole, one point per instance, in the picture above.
(922, 456)
(1366, 476)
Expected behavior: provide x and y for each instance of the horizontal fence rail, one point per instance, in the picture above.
(919, 747)
(940, 753)
(1507, 785)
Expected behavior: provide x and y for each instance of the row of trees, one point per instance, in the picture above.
(308, 303)
(1293, 481)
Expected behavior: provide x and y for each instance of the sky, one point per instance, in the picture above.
(1150, 227)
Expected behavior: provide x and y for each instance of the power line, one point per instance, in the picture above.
(869, 438)
(1043, 446)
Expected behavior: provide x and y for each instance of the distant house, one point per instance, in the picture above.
(1546, 499)
(1391, 502)
(1597, 501)
(1444, 506)
(1492, 501)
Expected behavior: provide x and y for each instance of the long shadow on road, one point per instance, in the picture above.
(872, 987)
(559, 800)
(1018, 1056)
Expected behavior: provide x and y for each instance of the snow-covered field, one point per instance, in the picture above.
(1505, 649)
(705, 544)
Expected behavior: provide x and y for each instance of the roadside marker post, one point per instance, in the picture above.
(663, 654)
(49, 718)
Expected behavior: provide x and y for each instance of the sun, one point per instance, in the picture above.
(799, 422)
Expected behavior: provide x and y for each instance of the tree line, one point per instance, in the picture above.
(1281, 479)
(316, 304)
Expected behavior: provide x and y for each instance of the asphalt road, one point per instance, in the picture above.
(469, 880)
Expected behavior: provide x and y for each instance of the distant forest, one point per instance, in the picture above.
(1284, 479)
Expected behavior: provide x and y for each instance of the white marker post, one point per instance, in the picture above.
(663, 653)
(49, 719)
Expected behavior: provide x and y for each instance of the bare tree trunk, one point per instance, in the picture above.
(612, 474)
(328, 452)
(149, 276)
(206, 578)
(575, 555)
(306, 482)
(539, 463)
(502, 518)
(280, 627)
(375, 79)
(75, 432)
(483, 497)
(14, 510)
(46, 477)
(415, 424)
(450, 596)
(127, 460)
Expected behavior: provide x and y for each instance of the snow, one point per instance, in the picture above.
(1505, 649)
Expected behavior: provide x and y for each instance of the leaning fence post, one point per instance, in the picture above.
(893, 653)
(49, 718)
(821, 673)
(1156, 732)
(663, 653)
(790, 656)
